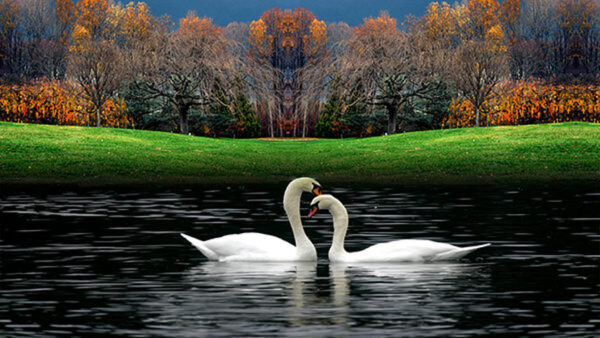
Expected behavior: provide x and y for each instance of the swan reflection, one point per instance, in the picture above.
(408, 291)
(250, 273)
(246, 290)
(229, 295)
(407, 272)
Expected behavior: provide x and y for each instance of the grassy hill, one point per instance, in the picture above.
(42, 154)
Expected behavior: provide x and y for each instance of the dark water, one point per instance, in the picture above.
(112, 262)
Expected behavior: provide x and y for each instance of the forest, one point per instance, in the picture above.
(289, 74)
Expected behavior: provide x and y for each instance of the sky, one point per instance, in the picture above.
(350, 11)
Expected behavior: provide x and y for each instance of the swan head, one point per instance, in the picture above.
(307, 184)
(322, 202)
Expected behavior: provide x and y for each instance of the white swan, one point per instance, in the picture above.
(252, 246)
(406, 250)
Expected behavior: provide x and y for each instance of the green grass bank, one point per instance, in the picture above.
(551, 153)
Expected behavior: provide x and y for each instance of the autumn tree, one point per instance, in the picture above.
(478, 68)
(134, 24)
(389, 66)
(65, 17)
(479, 62)
(97, 68)
(95, 60)
(476, 18)
(441, 24)
(288, 41)
(185, 67)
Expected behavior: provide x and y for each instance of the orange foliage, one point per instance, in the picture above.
(259, 39)
(527, 102)
(53, 102)
(136, 22)
(511, 14)
(317, 38)
(439, 22)
(290, 30)
(287, 25)
(379, 26)
(483, 16)
(195, 26)
(65, 15)
(93, 16)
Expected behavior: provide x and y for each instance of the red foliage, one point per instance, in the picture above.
(54, 102)
(527, 102)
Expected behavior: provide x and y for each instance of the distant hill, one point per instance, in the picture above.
(349, 11)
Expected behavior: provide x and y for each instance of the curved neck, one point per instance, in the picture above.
(291, 205)
(340, 226)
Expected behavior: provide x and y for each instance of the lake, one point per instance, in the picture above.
(111, 261)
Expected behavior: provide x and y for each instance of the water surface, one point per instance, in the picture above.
(87, 262)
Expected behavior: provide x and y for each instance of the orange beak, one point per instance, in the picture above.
(313, 210)
(317, 191)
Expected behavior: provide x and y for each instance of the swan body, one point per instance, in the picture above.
(404, 250)
(252, 246)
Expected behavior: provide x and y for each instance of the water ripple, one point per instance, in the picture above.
(98, 262)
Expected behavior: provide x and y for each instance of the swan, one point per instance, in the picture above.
(252, 246)
(405, 250)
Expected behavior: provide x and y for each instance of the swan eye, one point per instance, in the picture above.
(317, 190)
(313, 210)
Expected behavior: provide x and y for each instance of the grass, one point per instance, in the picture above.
(551, 153)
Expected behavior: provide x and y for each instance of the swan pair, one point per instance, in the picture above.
(260, 247)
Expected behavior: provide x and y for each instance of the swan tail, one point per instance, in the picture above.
(211, 255)
(458, 253)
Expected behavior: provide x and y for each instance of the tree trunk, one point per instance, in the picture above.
(98, 117)
(476, 117)
(271, 131)
(304, 116)
(393, 114)
(183, 120)
(304, 127)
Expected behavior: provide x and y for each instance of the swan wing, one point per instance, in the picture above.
(200, 245)
(404, 250)
(457, 253)
(251, 246)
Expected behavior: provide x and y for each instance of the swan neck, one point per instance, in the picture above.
(340, 227)
(291, 205)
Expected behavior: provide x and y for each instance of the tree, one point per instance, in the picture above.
(326, 77)
(288, 41)
(43, 49)
(186, 66)
(330, 124)
(479, 66)
(94, 16)
(439, 25)
(390, 65)
(9, 37)
(96, 66)
(255, 77)
(578, 37)
(246, 123)
(481, 16)
(95, 61)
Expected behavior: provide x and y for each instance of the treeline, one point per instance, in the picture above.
(478, 62)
